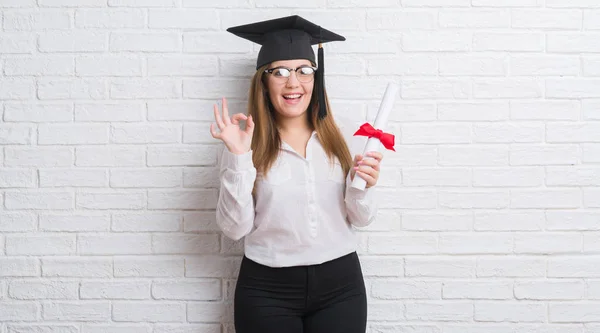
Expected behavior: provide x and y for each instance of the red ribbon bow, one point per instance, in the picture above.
(386, 139)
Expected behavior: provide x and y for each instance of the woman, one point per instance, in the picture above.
(285, 189)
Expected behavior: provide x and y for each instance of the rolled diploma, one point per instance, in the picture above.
(373, 144)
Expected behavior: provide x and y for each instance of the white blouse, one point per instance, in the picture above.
(304, 212)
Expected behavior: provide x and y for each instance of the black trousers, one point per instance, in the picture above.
(325, 298)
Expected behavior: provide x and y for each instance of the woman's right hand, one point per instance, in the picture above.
(236, 140)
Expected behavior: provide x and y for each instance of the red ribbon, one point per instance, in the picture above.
(386, 139)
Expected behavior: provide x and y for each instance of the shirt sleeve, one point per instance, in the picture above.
(361, 206)
(235, 204)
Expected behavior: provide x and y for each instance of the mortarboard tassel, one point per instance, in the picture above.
(321, 83)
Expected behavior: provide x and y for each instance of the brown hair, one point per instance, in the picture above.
(266, 140)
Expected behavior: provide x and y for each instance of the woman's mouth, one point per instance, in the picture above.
(292, 98)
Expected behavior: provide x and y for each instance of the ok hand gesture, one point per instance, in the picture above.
(236, 140)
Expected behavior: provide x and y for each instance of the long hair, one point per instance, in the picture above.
(266, 140)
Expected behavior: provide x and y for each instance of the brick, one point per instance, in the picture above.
(182, 156)
(126, 66)
(441, 133)
(572, 88)
(511, 266)
(439, 311)
(185, 110)
(141, 222)
(508, 41)
(475, 243)
(549, 290)
(507, 88)
(37, 66)
(149, 134)
(76, 88)
(19, 267)
(591, 109)
(72, 41)
(509, 221)
(123, 311)
(16, 88)
(202, 19)
(447, 221)
(435, 89)
(571, 220)
(412, 112)
(144, 88)
(523, 312)
(406, 65)
(115, 328)
(591, 19)
(34, 112)
(185, 244)
(143, 3)
(554, 154)
(386, 311)
(572, 3)
(573, 176)
(591, 197)
(205, 328)
(409, 199)
(440, 267)
(17, 43)
(77, 267)
(545, 110)
(113, 244)
(507, 3)
(118, 18)
(547, 198)
(200, 221)
(182, 65)
(548, 243)
(17, 178)
(460, 65)
(478, 111)
(15, 134)
(72, 3)
(49, 134)
(436, 3)
(145, 42)
(76, 311)
(509, 176)
(400, 20)
(109, 112)
(551, 65)
(154, 266)
(411, 243)
(573, 132)
(398, 289)
(208, 311)
(194, 42)
(19, 311)
(582, 312)
(110, 156)
(32, 244)
(573, 266)
(17, 3)
(111, 200)
(39, 200)
(497, 290)
(214, 88)
(137, 290)
(17, 222)
(43, 289)
(73, 178)
(590, 242)
(28, 20)
(437, 41)
(40, 328)
(75, 222)
(473, 155)
(197, 133)
(547, 19)
(194, 289)
(474, 18)
(212, 267)
(572, 42)
(508, 133)
(436, 177)
(591, 153)
(155, 177)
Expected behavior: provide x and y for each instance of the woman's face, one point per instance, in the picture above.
(290, 95)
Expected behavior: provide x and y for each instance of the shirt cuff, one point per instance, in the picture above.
(237, 162)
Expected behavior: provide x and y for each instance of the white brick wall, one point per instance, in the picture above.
(490, 208)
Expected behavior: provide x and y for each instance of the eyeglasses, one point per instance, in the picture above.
(304, 74)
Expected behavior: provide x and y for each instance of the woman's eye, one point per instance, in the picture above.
(306, 70)
(281, 72)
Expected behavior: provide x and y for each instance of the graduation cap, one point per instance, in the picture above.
(290, 38)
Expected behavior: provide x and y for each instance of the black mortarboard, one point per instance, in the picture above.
(289, 38)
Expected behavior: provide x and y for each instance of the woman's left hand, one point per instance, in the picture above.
(367, 168)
